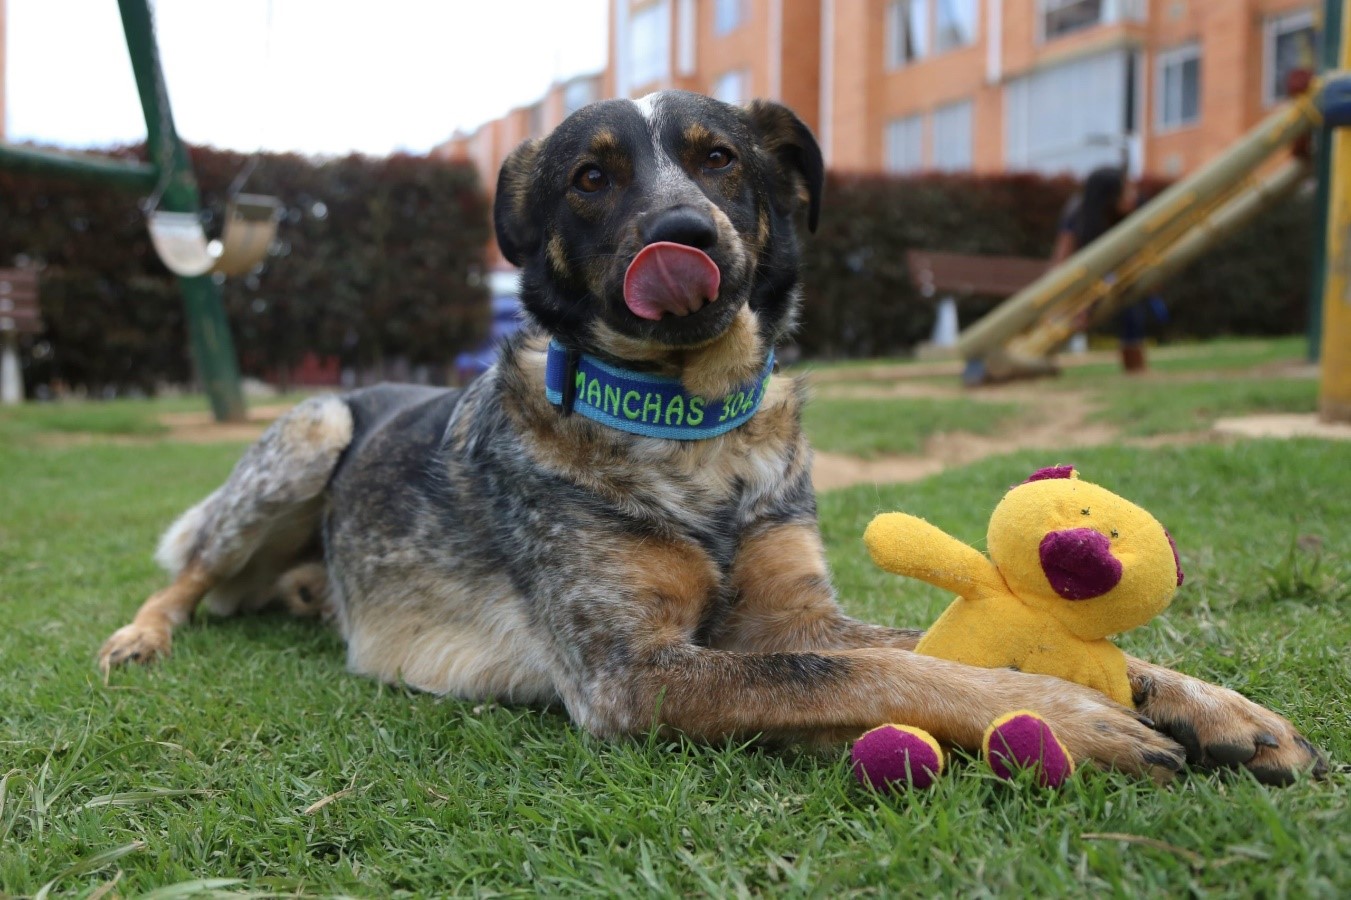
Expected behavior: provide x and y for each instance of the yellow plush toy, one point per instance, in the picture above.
(1070, 564)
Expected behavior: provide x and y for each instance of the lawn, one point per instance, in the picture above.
(873, 427)
(1144, 407)
(251, 762)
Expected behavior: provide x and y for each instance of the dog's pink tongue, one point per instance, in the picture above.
(670, 278)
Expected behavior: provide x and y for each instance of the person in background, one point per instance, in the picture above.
(1107, 198)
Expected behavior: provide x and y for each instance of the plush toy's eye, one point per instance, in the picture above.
(1115, 534)
(1084, 511)
(590, 179)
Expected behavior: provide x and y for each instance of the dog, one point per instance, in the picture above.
(619, 517)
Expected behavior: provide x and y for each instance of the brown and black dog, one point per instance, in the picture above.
(619, 516)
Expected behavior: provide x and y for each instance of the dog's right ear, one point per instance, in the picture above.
(517, 233)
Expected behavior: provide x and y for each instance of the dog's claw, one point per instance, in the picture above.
(1171, 761)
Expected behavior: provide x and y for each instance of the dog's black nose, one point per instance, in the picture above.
(680, 225)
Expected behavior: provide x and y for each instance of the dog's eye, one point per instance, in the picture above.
(590, 179)
(719, 158)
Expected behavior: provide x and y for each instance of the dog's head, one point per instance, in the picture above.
(647, 228)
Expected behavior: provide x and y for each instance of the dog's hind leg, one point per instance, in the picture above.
(244, 534)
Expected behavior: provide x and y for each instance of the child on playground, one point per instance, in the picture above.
(1108, 196)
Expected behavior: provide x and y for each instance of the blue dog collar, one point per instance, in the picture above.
(649, 405)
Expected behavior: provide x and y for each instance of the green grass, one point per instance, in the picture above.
(117, 417)
(1147, 407)
(108, 418)
(1228, 355)
(873, 427)
(203, 767)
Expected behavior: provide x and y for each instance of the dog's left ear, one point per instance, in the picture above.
(517, 235)
(785, 138)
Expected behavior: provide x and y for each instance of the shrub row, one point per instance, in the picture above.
(379, 259)
(375, 259)
(860, 300)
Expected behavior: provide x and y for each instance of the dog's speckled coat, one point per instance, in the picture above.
(480, 543)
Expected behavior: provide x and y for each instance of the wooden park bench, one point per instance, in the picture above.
(946, 277)
(19, 314)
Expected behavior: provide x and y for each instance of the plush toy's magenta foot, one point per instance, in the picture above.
(1022, 740)
(891, 757)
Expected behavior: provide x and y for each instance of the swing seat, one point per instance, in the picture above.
(250, 227)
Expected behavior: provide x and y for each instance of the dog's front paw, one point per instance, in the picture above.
(1219, 727)
(134, 643)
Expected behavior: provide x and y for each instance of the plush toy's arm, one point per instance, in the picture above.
(906, 545)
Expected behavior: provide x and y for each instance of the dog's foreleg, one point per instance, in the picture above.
(784, 600)
(630, 662)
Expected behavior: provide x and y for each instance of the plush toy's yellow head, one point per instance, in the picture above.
(1097, 563)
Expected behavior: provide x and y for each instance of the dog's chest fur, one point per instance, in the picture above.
(708, 491)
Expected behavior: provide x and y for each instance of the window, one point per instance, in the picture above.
(907, 31)
(727, 15)
(1177, 98)
(1072, 117)
(731, 87)
(1061, 17)
(578, 94)
(920, 28)
(649, 45)
(952, 137)
(905, 144)
(954, 24)
(1289, 46)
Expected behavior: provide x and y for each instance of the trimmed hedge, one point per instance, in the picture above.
(860, 300)
(375, 259)
(380, 259)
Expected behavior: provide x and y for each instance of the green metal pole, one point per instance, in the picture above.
(1322, 155)
(125, 174)
(212, 347)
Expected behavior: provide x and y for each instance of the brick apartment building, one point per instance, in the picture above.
(2, 69)
(979, 85)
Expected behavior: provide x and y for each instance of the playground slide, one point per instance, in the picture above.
(1133, 258)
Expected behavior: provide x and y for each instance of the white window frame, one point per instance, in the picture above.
(1177, 56)
(1271, 29)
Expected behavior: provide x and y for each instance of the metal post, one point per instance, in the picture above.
(1334, 394)
(1322, 160)
(117, 173)
(11, 381)
(212, 347)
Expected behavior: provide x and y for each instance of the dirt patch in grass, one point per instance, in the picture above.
(199, 427)
(1054, 422)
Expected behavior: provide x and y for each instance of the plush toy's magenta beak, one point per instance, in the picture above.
(1079, 563)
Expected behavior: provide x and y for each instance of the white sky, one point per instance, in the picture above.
(326, 76)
